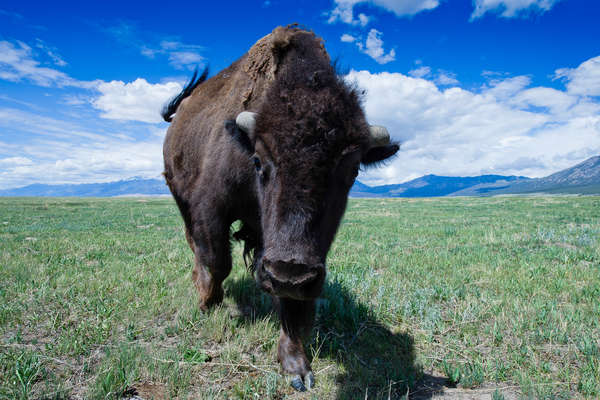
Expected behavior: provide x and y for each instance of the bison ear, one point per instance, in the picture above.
(240, 137)
(379, 153)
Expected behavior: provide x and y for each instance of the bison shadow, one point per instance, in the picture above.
(374, 359)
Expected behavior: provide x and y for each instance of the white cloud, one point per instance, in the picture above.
(347, 38)
(555, 101)
(34, 123)
(445, 78)
(510, 8)
(135, 101)
(51, 52)
(506, 88)
(31, 106)
(100, 162)
(583, 80)
(15, 161)
(441, 77)
(180, 55)
(17, 63)
(373, 47)
(75, 100)
(58, 151)
(344, 9)
(420, 72)
(505, 128)
(185, 59)
(363, 20)
(407, 7)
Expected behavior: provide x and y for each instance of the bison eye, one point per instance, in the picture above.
(257, 165)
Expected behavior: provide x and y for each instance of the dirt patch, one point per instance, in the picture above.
(564, 245)
(147, 391)
(435, 386)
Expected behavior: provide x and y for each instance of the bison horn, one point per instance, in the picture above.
(246, 121)
(379, 136)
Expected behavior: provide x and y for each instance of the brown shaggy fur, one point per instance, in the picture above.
(287, 182)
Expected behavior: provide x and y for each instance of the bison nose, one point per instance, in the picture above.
(291, 279)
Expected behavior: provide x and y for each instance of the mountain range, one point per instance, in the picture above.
(583, 178)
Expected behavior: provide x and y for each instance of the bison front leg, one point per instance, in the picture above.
(297, 319)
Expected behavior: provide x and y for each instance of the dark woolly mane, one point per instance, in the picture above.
(170, 108)
(310, 116)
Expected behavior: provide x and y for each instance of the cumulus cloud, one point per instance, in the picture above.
(61, 151)
(555, 101)
(504, 89)
(510, 8)
(373, 47)
(344, 9)
(135, 101)
(344, 12)
(346, 38)
(363, 20)
(583, 80)
(101, 162)
(506, 127)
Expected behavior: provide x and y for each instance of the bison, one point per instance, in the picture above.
(275, 141)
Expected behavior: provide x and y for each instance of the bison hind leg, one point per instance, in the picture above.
(209, 289)
(213, 264)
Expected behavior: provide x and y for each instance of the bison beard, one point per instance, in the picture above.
(274, 141)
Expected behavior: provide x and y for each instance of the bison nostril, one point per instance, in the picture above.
(293, 273)
(293, 280)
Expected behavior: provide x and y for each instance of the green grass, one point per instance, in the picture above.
(498, 295)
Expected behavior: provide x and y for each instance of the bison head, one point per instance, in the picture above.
(306, 147)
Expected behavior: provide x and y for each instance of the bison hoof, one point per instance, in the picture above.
(310, 380)
(300, 384)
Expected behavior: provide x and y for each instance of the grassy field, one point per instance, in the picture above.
(464, 296)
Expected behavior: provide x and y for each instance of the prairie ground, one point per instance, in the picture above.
(456, 297)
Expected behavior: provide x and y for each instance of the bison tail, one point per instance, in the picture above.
(171, 107)
(250, 239)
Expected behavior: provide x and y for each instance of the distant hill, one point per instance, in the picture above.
(583, 178)
(133, 186)
(426, 186)
(431, 186)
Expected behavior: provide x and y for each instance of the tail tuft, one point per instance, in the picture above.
(171, 107)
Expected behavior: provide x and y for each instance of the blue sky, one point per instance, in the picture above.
(468, 86)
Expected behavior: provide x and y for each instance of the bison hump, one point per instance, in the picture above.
(264, 57)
